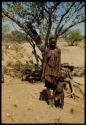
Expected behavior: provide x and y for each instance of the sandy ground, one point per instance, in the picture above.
(73, 55)
(21, 104)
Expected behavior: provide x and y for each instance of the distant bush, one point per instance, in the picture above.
(14, 36)
(74, 37)
(18, 36)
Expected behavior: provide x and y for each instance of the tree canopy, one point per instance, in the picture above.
(39, 20)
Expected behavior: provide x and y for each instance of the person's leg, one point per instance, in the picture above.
(53, 93)
(53, 98)
(62, 100)
(49, 93)
(47, 85)
(50, 97)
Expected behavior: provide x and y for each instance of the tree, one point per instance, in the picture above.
(74, 37)
(39, 19)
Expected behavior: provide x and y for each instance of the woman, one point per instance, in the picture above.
(51, 68)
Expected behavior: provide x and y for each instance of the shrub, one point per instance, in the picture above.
(74, 37)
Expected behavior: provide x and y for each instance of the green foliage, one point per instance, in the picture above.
(14, 36)
(5, 29)
(5, 32)
(73, 37)
(18, 36)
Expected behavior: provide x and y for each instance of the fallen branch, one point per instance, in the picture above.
(73, 95)
(77, 82)
(79, 89)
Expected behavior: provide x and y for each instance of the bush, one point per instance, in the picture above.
(74, 37)
(18, 36)
(14, 36)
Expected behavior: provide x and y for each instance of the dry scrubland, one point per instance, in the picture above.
(20, 99)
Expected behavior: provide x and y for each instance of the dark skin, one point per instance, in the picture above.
(60, 96)
(52, 46)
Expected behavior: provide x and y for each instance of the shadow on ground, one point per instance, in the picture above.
(43, 96)
(33, 76)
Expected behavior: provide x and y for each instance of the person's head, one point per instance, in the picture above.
(52, 42)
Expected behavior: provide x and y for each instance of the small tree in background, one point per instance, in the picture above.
(74, 37)
(18, 36)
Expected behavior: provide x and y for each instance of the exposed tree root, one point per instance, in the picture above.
(72, 95)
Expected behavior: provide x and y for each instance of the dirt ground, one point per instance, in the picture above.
(21, 104)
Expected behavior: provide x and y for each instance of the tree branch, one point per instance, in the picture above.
(50, 21)
(36, 55)
(55, 7)
(56, 35)
(75, 11)
(52, 9)
(72, 25)
(67, 20)
(28, 30)
(63, 17)
(12, 18)
(48, 31)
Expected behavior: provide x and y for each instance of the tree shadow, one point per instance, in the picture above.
(31, 75)
(32, 78)
(43, 96)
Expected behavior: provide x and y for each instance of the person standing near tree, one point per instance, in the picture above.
(51, 68)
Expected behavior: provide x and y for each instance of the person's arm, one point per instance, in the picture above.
(59, 63)
(44, 64)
